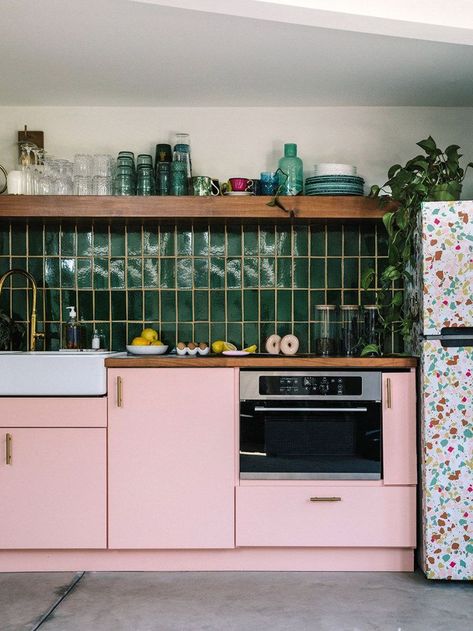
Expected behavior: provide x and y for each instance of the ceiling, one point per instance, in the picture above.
(129, 53)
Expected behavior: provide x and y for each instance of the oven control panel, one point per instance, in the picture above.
(297, 385)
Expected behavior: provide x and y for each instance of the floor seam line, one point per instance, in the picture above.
(58, 601)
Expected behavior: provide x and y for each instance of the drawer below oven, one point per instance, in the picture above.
(305, 516)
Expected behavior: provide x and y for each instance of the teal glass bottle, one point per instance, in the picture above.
(291, 179)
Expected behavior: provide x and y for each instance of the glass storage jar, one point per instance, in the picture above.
(326, 337)
(350, 330)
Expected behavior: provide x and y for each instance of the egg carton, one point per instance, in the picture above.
(193, 351)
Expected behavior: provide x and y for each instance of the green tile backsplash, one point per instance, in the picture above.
(240, 282)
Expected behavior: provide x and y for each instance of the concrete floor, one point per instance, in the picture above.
(230, 601)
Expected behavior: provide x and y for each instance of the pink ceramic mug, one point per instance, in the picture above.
(240, 184)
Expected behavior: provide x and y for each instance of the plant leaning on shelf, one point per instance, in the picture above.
(436, 176)
(275, 201)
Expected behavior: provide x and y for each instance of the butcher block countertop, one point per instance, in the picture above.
(260, 361)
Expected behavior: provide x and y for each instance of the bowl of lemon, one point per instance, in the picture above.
(147, 343)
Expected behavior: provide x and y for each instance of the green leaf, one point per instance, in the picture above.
(393, 170)
(397, 299)
(374, 191)
(370, 349)
(388, 221)
(367, 278)
(428, 145)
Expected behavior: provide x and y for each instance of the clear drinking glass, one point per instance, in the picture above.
(325, 341)
(63, 184)
(371, 326)
(83, 165)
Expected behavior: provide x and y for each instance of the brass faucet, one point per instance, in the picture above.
(33, 334)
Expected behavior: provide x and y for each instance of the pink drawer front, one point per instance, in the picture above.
(363, 517)
(53, 411)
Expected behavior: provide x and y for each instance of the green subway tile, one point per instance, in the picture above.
(134, 241)
(250, 304)
(201, 272)
(168, 306)
(267, 272)
(284, 272)
(267, 240)
(151, 305)
(69, 299)
(201, 241)
(167, 241)
(184, 306)
(118, 303)
(117, 273)
(234, 240)
(52, 304)
(368, 297)
(316, 298)
(4, 239)
(217, 241)
(184, 273)
(201, 305)
(5, 301)
(251, 335)
(135, 305)
(51, 239)
(217, 331)
(334, 240)
(133, 330)
(86, 306)
(334, 297)
(351, 240)
(382, 240)
(17, 280)
(283, 241)
(334, 273)
(36, 268)
(202, 332)
(284, 305)
(85, 239)
(150, 273)
(301, 331)
(217, 306)
(117, 239)
(167, 273)
(35, 240)
(250, 241)
(102, 305)
(217, 273)
(301, 241)
(118, 334)
(235, 334)
(84, 273)
(234, 306)
(167, 333)
(185, 332)
(68, 239)
(381, 265)
(350, 297)
(313, 334)
(368, 241)
(234, 273)
(301, 273)
(103, 329)
(68, 273)
(18, 239)
(267, 305)
(301, 305)
(250, 272)
(184, 241)
(53, 336)
(150, 240)
(317, 241)
(134, 272)
(366, 264)
(101, 240)
(265, 330)
(284, 328)
(317, 273)
(19, 304)
(4, 264)
(350, 273)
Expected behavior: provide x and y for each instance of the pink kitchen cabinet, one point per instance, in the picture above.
(52, 488)
(171, 449)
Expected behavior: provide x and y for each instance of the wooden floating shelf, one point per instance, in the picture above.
(166, 208)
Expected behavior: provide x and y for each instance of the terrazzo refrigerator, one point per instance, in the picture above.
(444, 342)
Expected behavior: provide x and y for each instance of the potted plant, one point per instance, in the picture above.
(11, 333)
(435, 176)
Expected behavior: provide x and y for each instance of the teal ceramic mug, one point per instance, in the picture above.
(203, 186)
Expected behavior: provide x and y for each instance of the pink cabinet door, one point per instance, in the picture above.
(399, 428)
(171, 457)
(52, 488)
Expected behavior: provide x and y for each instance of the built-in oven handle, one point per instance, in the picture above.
(261, 408)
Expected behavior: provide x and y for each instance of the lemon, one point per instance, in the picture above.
(149, 334)
(139, 341)
(157, 343)
(220, 345)
(228, 346)
(250, 349)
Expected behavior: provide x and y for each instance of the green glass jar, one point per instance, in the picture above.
(145, 180)
(291, 177)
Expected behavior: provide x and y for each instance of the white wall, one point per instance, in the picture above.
(232, 142)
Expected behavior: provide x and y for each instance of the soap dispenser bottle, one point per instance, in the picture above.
(72, 330)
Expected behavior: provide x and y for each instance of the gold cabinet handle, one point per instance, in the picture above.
(388, 393)
(119, 392)
(325, 499)
(8, 448)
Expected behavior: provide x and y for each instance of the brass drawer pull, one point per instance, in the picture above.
(388, 394)
(325, 499)
(8, 448)
(119, 392)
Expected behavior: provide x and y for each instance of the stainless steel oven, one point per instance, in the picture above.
(310, 425)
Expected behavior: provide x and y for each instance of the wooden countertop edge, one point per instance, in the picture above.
(173, 361)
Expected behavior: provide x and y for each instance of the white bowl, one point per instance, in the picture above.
(147, 350)
(332, 168)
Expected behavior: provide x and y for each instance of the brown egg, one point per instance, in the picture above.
(181, 346)
(191, 346)
(203, 346)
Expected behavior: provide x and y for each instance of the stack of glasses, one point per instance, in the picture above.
(334, 179)
(92, 174)
(131, 181)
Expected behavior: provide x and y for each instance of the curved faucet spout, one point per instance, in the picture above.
(33, 334)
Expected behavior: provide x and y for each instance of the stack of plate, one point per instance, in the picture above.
(334, 179)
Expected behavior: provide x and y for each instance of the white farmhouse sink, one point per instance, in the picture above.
(53, 373)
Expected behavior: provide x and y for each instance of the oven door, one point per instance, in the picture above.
(310, 440)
